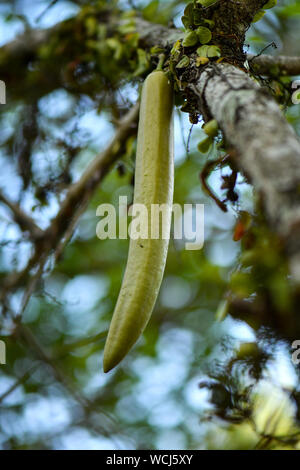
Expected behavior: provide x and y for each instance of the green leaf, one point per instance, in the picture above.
(198, 18)
(176, 47)
(222, 311)
(290, 10)
(91, 25)
(129, 14)
(207, 3)
(211, 128)
(175, 52)
(190, 39)
(155, 50)
(188, 17)
(270, 4)
(209, 51)
(143, 63)
(127, 27)
(296, 97)
(214, 51)
(202, 51)
(185, 61)
(210, 23)
(205, 145)
(150, 10)
(204, 34)
(258, 16)
(186, 22)
(189, 11)
(201, 61)
(116, 46)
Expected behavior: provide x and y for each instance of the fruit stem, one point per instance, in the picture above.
(161, 62)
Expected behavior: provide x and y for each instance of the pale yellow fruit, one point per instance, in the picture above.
(154, 176)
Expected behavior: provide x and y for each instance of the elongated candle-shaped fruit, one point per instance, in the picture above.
(154, 176)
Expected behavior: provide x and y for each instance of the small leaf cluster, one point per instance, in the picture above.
(96, 51)
(263, 272)
(211, 130)
(198, 33)
(259, 15)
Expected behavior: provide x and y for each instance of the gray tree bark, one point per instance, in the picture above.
(266, 148)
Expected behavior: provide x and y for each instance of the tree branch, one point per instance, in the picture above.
(32, 343)
(22, 380)
(265, 147)
(264, 63)
(25, 222)
(23, 51)
(76, 200)
(82, 190)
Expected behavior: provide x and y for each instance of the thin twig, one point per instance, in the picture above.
(62, 226)
(32, 342)
(25, 222)
(19, 382)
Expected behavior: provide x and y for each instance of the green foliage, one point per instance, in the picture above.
(258, 16)
(184, 62)
(270, 4)
(199, 29)
(289, 10)
(211, 128)
(204, 34)
(205, 145)
(209, 51)
(206, 3)
(190, 39)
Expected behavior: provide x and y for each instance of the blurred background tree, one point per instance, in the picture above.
(191, 382)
